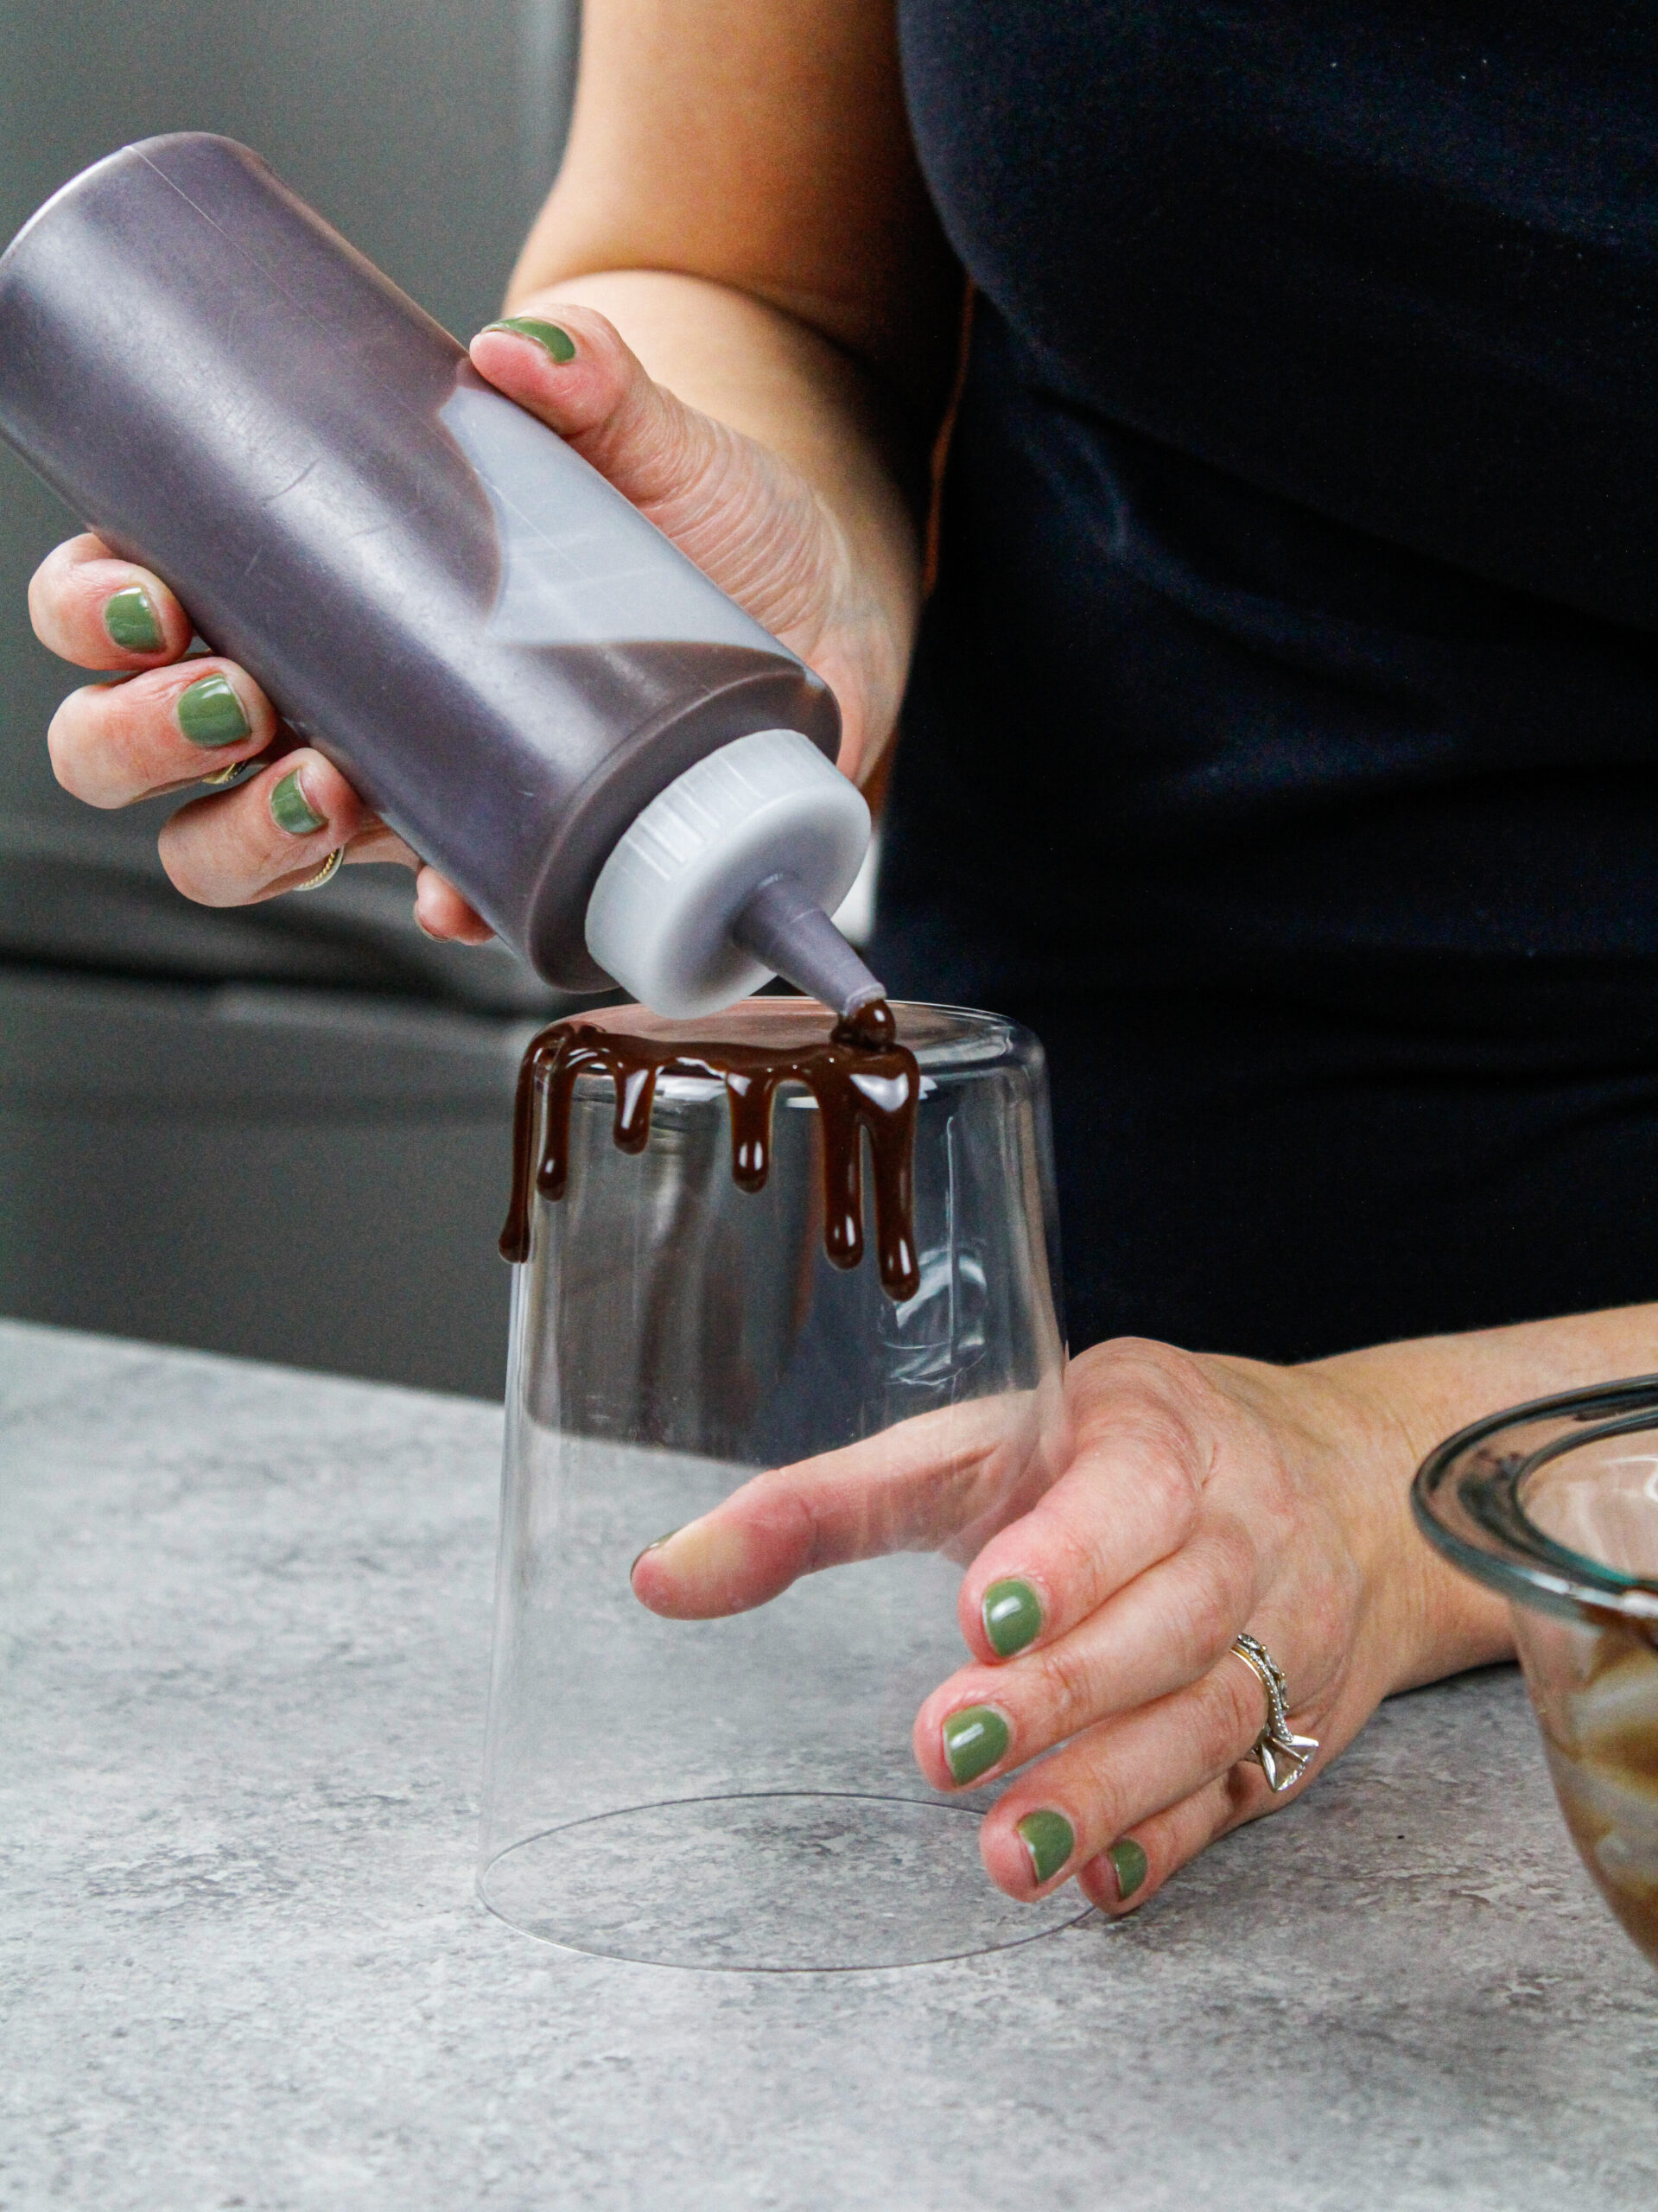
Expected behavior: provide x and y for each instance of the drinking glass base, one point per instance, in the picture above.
(787, 1882)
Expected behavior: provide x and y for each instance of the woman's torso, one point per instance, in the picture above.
(1293, 671)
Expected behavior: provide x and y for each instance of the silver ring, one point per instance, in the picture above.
(1282, 1756)
(326, 873)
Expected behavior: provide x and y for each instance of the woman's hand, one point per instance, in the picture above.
(748, 516)
(177, 721)
(1189, 1498)
(741, 194)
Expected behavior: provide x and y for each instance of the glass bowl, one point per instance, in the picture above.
(1555, 1505)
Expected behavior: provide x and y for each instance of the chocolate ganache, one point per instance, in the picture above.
(860, 1075)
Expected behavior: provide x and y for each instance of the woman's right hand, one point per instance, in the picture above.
(746, 517)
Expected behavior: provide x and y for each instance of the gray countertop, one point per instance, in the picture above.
(246, 1616)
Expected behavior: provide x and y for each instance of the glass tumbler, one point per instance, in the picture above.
(1555, 1505)
(740, 1792)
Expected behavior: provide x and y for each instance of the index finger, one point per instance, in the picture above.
(943, 1481)
(92, 609)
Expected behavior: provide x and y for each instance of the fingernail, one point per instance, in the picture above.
(974, 1738)
(210, 714)
(1129, 1863)
(132, 622)
(1050, 1839)
(1013, 1617)
(655, 1545)
(548, 335)
(291, 811)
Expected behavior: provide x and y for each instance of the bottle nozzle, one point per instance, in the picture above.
(730, 875)
(783, 925)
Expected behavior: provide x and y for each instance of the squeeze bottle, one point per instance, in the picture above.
(629, 778)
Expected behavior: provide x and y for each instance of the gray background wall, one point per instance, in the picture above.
(294, 1140)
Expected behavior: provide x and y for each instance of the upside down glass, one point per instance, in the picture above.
(1555, 1505)
(740, 1792)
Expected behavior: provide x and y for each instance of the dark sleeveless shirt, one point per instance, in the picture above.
(1283, 741)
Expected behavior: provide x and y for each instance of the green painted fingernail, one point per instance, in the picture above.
(1050, 1839)
(1128, 1862)
(210, 714)
(132, 622)
(548, 335)
(655, 1545)
(1013, 1617)
(974, 1738)
(291, 811)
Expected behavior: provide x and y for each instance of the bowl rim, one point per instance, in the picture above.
(1476, 1516)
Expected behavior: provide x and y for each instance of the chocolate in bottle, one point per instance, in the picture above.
(500, 653)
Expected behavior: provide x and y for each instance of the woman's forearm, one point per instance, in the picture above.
(1408, 1396)
(1438, 1384)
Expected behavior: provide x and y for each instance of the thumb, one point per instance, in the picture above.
(569, 367)
(750, 521)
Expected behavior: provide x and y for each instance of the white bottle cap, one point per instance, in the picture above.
(660, 916)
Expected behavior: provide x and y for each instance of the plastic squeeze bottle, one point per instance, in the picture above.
(628, 777)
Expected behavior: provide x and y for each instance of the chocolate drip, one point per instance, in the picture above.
(860, 1075)
(872, 1024)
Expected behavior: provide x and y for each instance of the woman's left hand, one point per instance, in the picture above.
(1196, 1496)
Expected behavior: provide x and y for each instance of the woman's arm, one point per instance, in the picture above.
(741, 198)
(1426, 1388)
(761, 147)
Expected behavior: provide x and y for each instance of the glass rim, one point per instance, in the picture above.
(989, 1037)
(1469, 1502)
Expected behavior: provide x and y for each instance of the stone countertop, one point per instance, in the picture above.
(246, 1616)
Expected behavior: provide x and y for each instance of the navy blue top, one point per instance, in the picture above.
(1282, 739)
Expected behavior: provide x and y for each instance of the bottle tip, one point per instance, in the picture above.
(783, 925)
